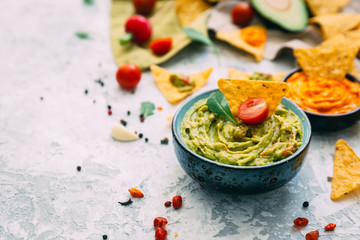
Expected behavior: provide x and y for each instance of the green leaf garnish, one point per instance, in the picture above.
(217, 104)
(88, 2)
(83, 35)
(126, 39)
(199, 37)
(147, 108)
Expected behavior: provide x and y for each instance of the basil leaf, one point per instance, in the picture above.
(88, 2)
(147, 108)
(83, 35)
(217, 104)
(199, 37)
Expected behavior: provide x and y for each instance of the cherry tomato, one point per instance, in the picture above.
(253, 111)
(161, 46)
(314, 235)
(144, 7)
(177, 201)
(160, 222)
(301, 222)
(140, 27)
(128, 76)
(160, 234)
(330, 227)
(242, 14)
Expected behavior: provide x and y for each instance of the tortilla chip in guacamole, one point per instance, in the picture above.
(234, 73)
(237, 91)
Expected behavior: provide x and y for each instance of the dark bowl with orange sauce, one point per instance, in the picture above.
(330, 122)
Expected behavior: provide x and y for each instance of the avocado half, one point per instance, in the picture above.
(291, 15)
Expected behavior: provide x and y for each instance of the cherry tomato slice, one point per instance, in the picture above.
(160, 234)
(161, 46)
(242, 14)
(160, 222)
(253, 111)
(128, 76)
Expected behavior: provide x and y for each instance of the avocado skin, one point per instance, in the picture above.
(275, 21)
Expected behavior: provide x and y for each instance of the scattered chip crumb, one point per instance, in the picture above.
(175, 235)
(169, 118)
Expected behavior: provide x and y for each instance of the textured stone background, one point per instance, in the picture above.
(42, 196)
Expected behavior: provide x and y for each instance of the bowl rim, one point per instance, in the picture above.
(178, 137)
(349, 76)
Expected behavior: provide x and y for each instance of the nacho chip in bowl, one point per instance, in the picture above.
(325, 62)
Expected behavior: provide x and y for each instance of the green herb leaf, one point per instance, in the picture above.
(88, 2)
(199, 37)
(83, 35)
(126, 39)
(147, 108)
(217, 104)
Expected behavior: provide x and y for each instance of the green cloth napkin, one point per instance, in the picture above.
(164, 24)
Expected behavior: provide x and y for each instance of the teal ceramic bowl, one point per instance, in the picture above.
(238, 179)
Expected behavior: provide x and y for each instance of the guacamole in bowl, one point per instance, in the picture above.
(214, 137)
(240, 158)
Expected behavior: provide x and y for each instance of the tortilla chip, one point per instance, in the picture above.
(234, 73)
(237, 91)
(189, 10)
(334, 24)
(234, 38)
(346, 176)
(322, 7)
(353, 37)
(345, 40)
(170, 92)
(329, 63)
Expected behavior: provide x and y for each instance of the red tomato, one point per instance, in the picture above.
(330, 227)
(140, 27)
(128, 76)
(253, 111)
(160, 222)
(177, 201)
(301, 222)
(144, 7)
(314, 235)
(160, 234)
(161, 46)
(242, 14)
